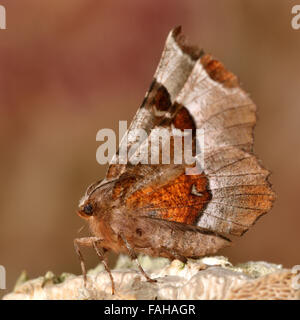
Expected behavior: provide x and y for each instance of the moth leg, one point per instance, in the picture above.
(100, 253)
(86, 242)
(133, 256)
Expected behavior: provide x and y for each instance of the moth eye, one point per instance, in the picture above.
(88, 209)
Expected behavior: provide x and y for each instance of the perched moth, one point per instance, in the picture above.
(159, 210)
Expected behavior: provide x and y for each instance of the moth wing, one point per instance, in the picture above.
(239, 187)
(173, 240)
(163, 192)
(237, 183)
(175, 66)
(233, 191)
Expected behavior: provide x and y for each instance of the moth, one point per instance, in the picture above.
(159, 210)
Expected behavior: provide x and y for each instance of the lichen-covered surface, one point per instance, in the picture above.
(207, 278)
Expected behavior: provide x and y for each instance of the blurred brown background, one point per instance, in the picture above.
(70, 68)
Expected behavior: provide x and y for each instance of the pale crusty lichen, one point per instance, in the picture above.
(207, 278)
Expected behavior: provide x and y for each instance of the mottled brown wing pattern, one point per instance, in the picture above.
(192, 90)
(238, 185)
(176, 63)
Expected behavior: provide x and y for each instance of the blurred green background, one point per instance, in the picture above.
(70, 68)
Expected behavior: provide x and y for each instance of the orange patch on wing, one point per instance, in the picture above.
(218, 72)
(182, 200)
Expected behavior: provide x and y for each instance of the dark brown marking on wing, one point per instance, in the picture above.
(158, 97)
(161, 100)
(183, 119)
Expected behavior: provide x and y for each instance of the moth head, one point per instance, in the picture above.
(86, 209)
(87, 205)
(94, 200)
